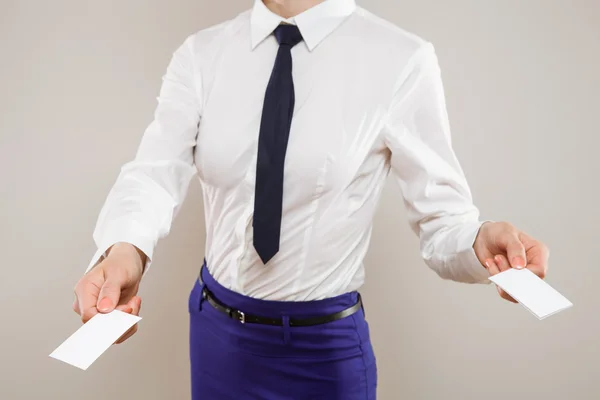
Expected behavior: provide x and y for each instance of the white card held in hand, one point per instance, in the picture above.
(94, 338)
(531, 291)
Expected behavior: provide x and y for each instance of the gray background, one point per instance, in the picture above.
(78, 83)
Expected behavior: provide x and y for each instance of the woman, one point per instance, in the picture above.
(292, 115)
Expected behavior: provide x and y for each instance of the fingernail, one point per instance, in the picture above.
(487, 263)
(518, 262)
(105, 305)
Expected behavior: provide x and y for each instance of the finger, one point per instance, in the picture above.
(537, 255)
(76, 306)
(515, 250)
(492, 267)
(126, 308)
(539, 270)
(109, 295)
(502, 262)
(86, 292)
(130, 332)
(135, 304)
(131, 307)
(506, 296)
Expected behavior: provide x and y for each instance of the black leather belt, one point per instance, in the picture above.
(245, 318)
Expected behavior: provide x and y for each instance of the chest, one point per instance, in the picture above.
(340, 106)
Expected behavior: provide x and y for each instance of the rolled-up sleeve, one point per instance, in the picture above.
(150, 189)
(436, 194)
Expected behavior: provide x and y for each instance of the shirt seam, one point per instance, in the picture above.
(319, 188)
(196, 75)
(410, 64)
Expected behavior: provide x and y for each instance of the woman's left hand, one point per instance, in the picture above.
(500, 246)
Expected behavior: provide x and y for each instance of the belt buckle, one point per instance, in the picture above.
(240, 316)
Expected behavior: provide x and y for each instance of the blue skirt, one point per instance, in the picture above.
(235, 361)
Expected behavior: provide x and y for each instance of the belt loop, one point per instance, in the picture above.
(202, 295)
(202, 286)
(362, 305)
(286, 329)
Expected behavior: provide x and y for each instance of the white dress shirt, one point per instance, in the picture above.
(369, 101)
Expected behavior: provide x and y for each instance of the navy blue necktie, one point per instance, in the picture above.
(278, 108)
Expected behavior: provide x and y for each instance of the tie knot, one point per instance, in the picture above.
(288, 34)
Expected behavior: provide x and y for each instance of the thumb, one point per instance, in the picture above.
(109, 296)
(515, 252)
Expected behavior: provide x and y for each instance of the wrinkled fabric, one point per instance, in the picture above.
(369, 103)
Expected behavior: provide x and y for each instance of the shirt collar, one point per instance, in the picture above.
(315, 24)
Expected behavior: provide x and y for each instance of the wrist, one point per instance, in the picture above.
(128, 250)
(478, 243)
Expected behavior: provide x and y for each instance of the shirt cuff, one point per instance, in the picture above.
(467, 259)
(470, 264)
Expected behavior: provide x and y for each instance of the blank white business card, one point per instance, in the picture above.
(94, 337)
(532, 292)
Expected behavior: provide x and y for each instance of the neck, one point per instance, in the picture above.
(290, 8)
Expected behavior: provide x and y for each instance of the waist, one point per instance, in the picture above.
(297, 309)
(287, 277)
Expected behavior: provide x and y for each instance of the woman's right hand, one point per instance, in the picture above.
(112, 284)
